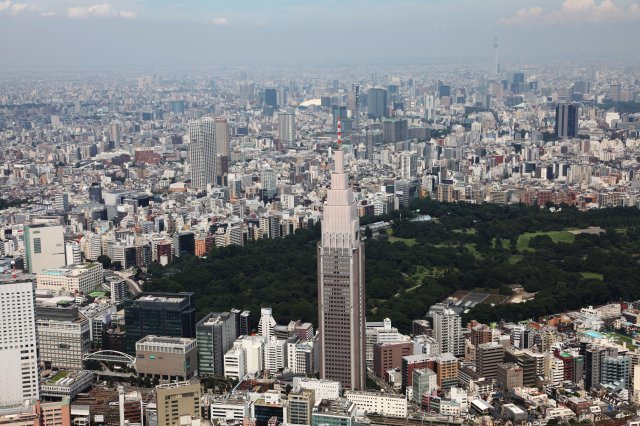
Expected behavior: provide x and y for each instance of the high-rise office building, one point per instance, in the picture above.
(184, 243)
(509, 375)
(61, 202)
(215, 334)
(301, 402)
(287, 128)
(566, 121)
(95, 193)
(429, 107)
(222, 136)
(159, 314)
(118, 288)
(177, 107)
(64, 336)
(488, 357)
(377, 103)
(202, 152)
(408, 165)
(394, 129)
(271, 97)
(115, 134)
(341, 296)
(18, 343)
(242, 322)
(269, 182)
(496, 64)
(44, 247)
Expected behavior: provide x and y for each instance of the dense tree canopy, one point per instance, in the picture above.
(482, 247)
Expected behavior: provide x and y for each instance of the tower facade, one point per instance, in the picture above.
(202, 152)
(287, 128)
(567, 121)
(341, 292)
(18, 343)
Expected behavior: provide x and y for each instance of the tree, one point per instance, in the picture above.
(505, 290)
(105, 260)
(368, 232)
(117, 265)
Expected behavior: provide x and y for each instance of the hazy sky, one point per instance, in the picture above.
(133, 33)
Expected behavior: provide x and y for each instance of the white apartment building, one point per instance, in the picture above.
(254, 352)
(235, 363)
(275, 355)
(301, 357)
(91, 246)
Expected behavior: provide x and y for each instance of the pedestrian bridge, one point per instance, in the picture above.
(111, 356)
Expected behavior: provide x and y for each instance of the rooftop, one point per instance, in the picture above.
(165, 341)
(71, 270)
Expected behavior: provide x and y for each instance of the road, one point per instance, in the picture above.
(134, 287)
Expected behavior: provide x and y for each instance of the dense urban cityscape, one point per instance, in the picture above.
(449, 242)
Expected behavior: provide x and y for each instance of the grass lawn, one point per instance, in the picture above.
(620, 338)
(556, 236)
(468, 231)
(423, 273)
(408, 241)
(469, 246)
(592, 276)
(58, 376)
(515, 258)
(472, 249)
(506, 244)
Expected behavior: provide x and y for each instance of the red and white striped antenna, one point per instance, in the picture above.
(339, 134)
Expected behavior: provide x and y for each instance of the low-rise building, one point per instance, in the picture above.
(66, 384)
(167, 358)
(178, 399)
(324, 389)
(229, 409)
(385, 404)
(80, 278)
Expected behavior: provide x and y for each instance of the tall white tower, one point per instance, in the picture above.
(18, 343)
(341, 290)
